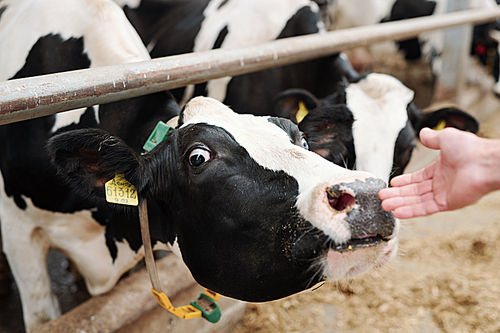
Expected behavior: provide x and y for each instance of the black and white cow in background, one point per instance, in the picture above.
(362, 125)
(37, 211)
(485, 46)
(256, 216)
(177, 27)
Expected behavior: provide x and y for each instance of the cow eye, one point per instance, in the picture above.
(304, 143)
(199, 156)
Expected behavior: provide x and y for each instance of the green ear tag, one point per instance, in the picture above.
(159, 134)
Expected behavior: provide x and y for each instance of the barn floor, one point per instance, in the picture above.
(446, 277)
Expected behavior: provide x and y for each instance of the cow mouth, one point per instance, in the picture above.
(364, 241)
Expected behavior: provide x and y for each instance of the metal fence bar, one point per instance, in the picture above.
(28, 98)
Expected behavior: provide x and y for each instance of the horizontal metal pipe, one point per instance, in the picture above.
(29, 98)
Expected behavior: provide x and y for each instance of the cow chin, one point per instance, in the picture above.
(338, 265)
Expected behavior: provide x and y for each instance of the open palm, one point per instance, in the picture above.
(459, 177)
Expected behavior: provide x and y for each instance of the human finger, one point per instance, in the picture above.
(412, 190)
(421, 209)
(391, 203)
(430, 138)
(413, 178)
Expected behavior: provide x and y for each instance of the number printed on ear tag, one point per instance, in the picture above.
(120, 191)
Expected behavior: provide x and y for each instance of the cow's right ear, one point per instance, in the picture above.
(294, 104)
(86, 159)
(447, 117)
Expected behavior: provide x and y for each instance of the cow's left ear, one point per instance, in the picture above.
(295, 104)
(86, 159)
(447, 117)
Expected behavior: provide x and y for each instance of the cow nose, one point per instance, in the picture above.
(339, 199)
(360, 201)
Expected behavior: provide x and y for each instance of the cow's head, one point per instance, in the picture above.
(370, 124)
(256, 215)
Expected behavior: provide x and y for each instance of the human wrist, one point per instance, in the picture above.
(490, 162)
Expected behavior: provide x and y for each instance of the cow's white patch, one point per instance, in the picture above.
(379, 105)
(270, 146)
(352, 264)
(109, 37)
(355, 13)
(249, 23)
(72, 117)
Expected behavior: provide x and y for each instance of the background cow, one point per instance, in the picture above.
(256, 216)
(176, 27)
(368, 125)
(37, 211)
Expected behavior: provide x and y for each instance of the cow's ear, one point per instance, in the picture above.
(295, 104)
(448, 117)
(86, 159)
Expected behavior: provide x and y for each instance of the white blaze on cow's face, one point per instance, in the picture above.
(379, 104)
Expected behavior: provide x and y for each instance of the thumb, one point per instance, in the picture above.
(430, 138)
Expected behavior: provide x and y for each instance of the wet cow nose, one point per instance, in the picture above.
(339, 199)
(360, 200)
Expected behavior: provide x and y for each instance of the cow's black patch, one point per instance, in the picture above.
(405, 9)
(23, 163)
(405, 143)
(220, 38)
(49, 55)
(170, 27)
(224, 2)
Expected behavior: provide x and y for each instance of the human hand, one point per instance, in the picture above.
(459, 177)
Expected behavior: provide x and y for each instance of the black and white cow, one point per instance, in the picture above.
(369, 125)
(37, 211)
(485, 47)
(256, 216)
(176, 27)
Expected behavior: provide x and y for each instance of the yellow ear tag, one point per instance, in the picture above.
(303, 111)
(441, 125)
(120, 191)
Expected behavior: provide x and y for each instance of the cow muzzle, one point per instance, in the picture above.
(352, 233)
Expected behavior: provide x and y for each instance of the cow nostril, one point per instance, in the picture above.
(342, 202)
